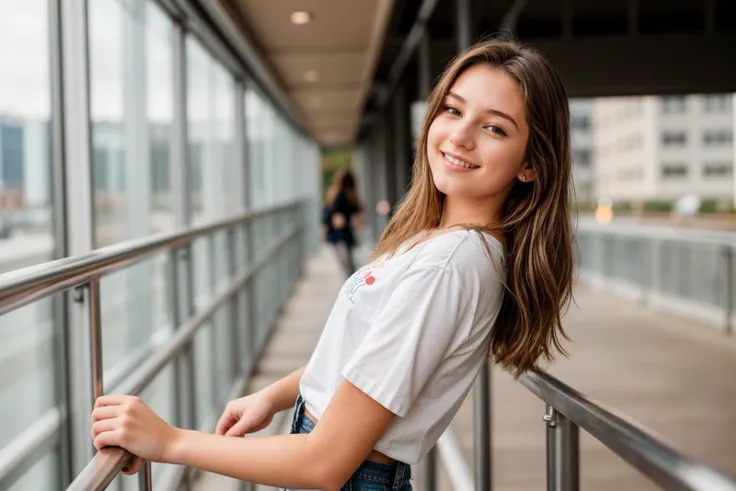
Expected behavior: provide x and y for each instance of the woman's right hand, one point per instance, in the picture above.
(246, 415)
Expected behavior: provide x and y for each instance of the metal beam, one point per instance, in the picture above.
(464, 24)
(424, 62)
(511, 17)
(416, 34)
(79, 215)
(671, 64)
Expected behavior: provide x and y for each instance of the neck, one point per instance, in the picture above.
(461, 210)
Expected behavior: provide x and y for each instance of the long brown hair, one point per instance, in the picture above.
(536, 227)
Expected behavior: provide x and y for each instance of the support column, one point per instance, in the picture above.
(182, 271)
(464, 23)
(389, 161)
(402, 143)
(424, 75)
(78, 209)
(424, 62)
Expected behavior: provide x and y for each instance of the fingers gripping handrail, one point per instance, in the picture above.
(108, 462)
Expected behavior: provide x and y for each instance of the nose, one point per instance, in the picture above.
(462, 136)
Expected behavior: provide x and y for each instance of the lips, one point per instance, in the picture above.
(458, 162)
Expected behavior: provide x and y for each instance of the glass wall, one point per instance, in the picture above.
(216, 179)
(26, 232)
(131, 49)
(131, 89)
(29, 376)
(132, 115)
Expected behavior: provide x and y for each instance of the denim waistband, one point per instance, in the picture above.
(396, 475)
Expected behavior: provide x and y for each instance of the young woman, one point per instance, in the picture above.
(476, 261)
(341, 209)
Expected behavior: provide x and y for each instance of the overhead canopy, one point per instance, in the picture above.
(325, 65)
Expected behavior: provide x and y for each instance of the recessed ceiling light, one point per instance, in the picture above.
(311, 75)
(301, 17)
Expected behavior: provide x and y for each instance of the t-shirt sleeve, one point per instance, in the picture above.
(409, 338)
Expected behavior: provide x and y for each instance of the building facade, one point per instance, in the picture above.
(662, 148)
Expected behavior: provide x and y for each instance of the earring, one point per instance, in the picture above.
(523, 178)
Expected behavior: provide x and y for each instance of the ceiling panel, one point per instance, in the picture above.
(328, 100)
(337, 24)
(330, 68)
(326, 65)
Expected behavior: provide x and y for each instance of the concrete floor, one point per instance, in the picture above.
(672, 375)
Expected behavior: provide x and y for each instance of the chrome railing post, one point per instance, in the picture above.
(483, 464)
(430, 470)
(728, 305)
(232, 269)
(188, 384)
(181, 387)
(563, 449)
(95, 337)
(145, 477)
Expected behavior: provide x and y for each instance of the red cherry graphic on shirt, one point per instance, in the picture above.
(369, 280)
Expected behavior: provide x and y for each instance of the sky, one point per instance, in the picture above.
(24, 59)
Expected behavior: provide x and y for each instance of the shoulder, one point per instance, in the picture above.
(462, 253)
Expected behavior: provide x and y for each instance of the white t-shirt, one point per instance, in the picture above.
(412, 332)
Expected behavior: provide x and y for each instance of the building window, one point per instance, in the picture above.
(581, 158)
(718, 103)
(674, 139)
(717, 169)
(580, 122)
(674, 170)
(674, 104)
(717, 138)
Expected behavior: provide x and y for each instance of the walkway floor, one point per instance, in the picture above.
(672, 375)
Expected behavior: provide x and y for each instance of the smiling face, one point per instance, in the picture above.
(477, 142)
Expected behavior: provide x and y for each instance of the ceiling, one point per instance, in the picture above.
(325, 66)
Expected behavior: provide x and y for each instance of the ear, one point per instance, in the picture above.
(526, 174)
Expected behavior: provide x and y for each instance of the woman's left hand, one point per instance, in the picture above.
(125, 421)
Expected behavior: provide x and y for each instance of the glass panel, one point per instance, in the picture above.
(28, 363)
(211, 96)
(43, 475)
(204, 369)
(136, 315)
(28, 386)
(201, 268)
(254, 110)
(26, 232)
(223, 345)
(160, 114)
(132, 111)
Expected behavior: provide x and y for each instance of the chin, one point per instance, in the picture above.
(449, 187)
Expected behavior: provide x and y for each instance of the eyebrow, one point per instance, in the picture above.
(492, 111)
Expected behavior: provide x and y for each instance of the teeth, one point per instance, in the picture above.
(459, 162)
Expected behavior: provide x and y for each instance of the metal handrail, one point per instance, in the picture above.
(630, 440)
(27, 285)
(696, 236)
(107, 463)
(567, 411)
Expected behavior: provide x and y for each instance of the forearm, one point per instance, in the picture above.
(284, 461)
(283, 392)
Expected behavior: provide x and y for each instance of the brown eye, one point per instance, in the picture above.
(496, 129)
(452, 110)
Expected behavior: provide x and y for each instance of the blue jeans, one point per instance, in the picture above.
(370, 476)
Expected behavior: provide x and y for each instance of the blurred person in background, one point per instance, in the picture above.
(477, 261)
(341, 214)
